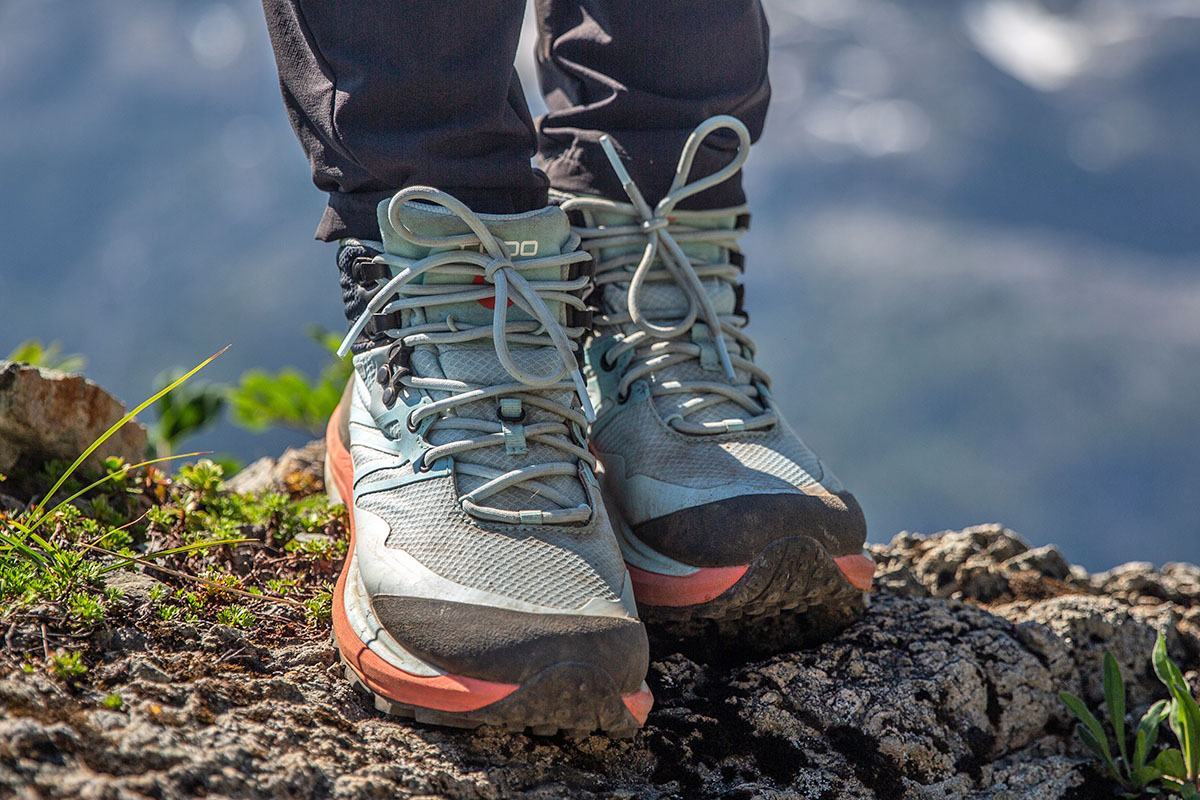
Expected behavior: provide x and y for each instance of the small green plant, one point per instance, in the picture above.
(235, 616)
(67, 664)
(113, 702)
(318, 609)
(50, 356)
(1133, 764)
(1128, 766)
(1180, 767)
(288, 397)
(258, 401)
(86, 609)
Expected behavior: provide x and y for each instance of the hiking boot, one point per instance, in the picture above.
(484, 583)
(721, 510)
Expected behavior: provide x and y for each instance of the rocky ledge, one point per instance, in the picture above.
(945, 689)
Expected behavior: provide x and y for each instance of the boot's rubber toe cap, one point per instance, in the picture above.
(507, 646)
(732, 532)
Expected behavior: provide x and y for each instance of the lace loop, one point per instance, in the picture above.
(662, 337)
(663, 247)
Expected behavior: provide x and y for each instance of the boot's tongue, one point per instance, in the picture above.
(534, 234)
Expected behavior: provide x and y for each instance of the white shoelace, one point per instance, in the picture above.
(659, 346)
(565, 432)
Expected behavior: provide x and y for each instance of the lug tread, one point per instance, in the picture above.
(794, 578)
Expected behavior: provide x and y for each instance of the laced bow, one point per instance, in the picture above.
(663, 232)
(505, 284)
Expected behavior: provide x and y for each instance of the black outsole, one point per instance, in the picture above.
(793, 591)
(569, 698)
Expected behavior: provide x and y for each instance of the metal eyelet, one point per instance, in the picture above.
(418, 464)
(408, 422)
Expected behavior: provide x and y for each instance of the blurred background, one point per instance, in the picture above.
(973, 268)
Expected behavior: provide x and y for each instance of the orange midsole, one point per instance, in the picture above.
(708, 583)
(443, 692)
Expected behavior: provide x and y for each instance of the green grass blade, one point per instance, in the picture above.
(187, 548)
(25, 550)
(1114, 696)
(118, 425)
(109, 477)
(42, 543)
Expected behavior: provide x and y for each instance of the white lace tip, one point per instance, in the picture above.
(344, 347)
(589, 411)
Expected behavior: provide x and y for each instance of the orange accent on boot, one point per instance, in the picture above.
(639, 704)
(341, 466)
(654, 589)
(443, 692)
(859, 569)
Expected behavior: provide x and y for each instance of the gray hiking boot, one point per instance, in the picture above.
(484, 583)
(722, 511)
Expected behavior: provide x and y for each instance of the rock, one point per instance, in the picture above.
(47, 415)
(1046, 560)
(1138, 580)
(927, 698)
(300, 470)
(136, 588)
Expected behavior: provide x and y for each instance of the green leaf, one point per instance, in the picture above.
(185, 549)
(1170, 762)
(1140, 748)
(1100, 748)
(1088, 719)
(1187, 791)
(1185, 713)
(1143, 776)
(187, 410)
(1148, 730)
(116, 427)
(34, 353)
(26, 552)
(1114, 695)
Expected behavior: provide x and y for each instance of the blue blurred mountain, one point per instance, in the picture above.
(973, 263)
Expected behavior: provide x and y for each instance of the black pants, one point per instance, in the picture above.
(385, 94)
